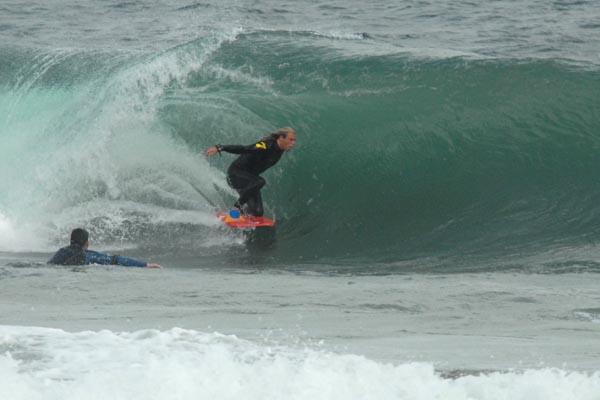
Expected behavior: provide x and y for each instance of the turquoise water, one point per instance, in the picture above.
(452, 142)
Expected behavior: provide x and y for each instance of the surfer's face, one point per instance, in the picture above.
(287, 142)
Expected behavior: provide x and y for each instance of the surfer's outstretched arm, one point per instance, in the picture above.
(238, 149)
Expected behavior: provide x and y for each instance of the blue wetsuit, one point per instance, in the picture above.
(76, 255)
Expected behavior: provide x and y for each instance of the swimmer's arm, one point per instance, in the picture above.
(94, 257)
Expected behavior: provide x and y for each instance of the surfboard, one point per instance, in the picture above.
(234, 220)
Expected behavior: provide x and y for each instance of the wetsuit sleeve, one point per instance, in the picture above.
(93, 257)
(129, 262)
(257, 147)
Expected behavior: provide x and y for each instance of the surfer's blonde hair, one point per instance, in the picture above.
(286, 130)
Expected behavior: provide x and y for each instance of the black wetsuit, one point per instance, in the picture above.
(244, 173)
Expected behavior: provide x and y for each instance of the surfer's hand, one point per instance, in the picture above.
(212, 151)
(153, 265)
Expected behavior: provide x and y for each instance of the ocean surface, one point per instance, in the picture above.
(438, 222)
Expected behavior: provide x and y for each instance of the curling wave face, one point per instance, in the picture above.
(399, 155)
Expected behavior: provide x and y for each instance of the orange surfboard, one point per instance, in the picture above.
(244, 221)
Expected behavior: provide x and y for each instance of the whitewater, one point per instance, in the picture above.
(438, 221)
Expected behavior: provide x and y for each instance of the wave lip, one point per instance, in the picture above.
(83, 136)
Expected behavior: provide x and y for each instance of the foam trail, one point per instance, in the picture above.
(185, 364)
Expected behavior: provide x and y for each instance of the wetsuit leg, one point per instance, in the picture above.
(248, 186)
(254, 203)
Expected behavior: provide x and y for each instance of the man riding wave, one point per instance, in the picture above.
(243, 174)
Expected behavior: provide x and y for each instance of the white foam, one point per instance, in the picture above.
(104, 149)
(342, 35)
(237, 75)
(586, 315)
(7, 233)
(42, 363)
(15, 237)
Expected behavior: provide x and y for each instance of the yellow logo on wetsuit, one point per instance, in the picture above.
(261, 145)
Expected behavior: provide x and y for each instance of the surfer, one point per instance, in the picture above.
(244, 172)
(77, 253)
